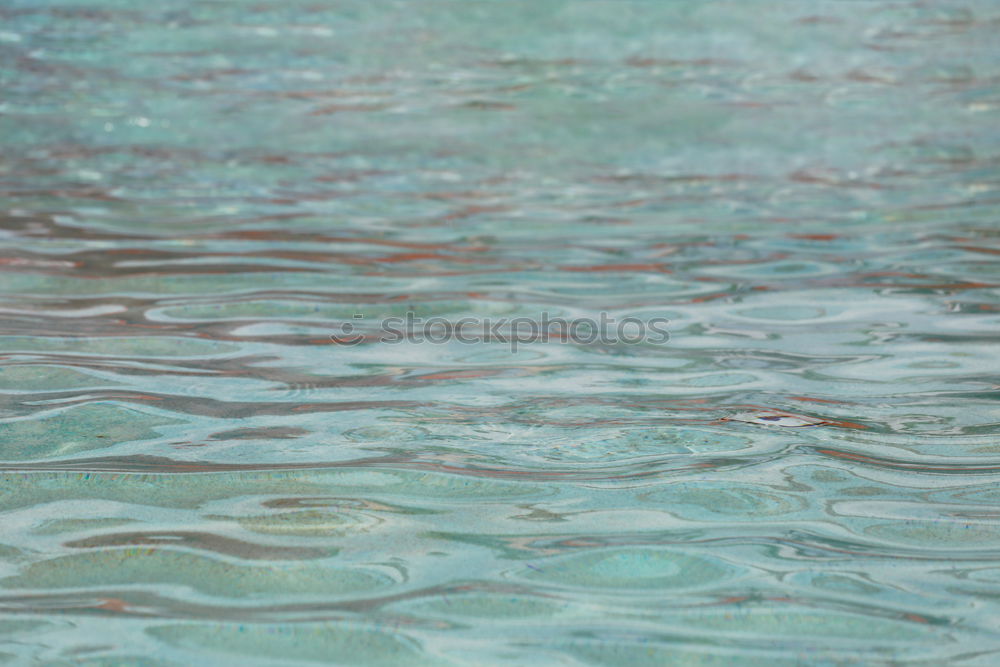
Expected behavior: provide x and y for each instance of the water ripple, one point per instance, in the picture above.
(195, 197)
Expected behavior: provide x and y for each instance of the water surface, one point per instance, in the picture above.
(195, 195)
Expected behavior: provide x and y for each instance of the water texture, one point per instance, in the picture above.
(196, 195)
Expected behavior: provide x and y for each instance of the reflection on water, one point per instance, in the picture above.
(195, 196)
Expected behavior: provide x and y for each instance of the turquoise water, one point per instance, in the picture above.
(196, 195)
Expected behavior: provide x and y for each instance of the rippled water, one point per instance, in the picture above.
(197, 194)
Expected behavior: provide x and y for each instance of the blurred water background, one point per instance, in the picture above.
(195, 195)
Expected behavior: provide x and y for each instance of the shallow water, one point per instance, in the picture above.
(197, 195)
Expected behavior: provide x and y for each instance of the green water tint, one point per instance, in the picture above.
(195, 196)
